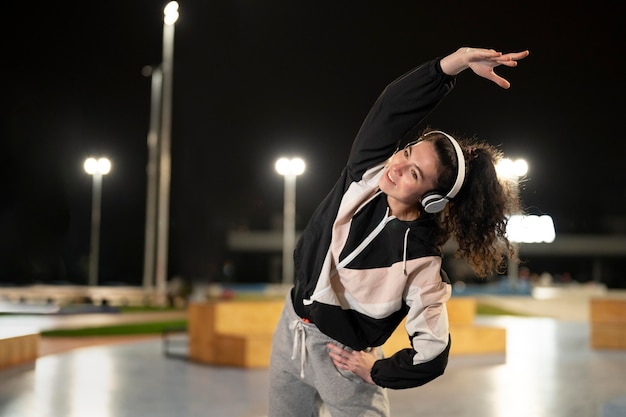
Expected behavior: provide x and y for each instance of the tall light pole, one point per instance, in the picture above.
(96, 168)
(152, 173)
(290, 169)
(170, 16)
(510, 170)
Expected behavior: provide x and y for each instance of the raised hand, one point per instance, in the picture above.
(482, 62)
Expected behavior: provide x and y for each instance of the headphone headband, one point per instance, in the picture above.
(433, 202)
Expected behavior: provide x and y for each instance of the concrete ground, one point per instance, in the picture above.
(549, 369)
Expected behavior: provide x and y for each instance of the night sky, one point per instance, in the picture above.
(255, 80)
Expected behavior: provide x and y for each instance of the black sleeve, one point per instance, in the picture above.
(399, 109)
(405, 374)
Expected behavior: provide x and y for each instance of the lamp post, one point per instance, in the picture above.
(510, 170)
(152, 176)
(290, 169)
(170, 16)
(95, 168)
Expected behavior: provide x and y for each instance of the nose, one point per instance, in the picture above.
(400, 168)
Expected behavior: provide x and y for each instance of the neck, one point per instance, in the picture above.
(401, 211)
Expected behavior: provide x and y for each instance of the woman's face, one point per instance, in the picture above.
(409, 174)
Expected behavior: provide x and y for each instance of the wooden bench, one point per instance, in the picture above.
(235, 333)
(608, 323)
(18, 346)
(239, 333)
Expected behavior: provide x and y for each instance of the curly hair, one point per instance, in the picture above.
(477, 216)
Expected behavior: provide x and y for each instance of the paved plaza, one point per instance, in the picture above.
(549, 370)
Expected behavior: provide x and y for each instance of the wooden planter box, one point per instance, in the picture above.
(18, 347)
(239, 333)
(608, 323)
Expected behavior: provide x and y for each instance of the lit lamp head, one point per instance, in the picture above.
(100, 166)
(512, 170)
(170, 13)
(292, 167)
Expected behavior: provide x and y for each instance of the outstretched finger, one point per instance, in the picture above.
(483, 53)
(510, 60)
(507, 62)
(499, 80)
(516, 56)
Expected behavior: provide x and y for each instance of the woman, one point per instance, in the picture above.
(372, 251)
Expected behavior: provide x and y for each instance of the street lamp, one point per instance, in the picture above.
(290, 169)
(513, 170)
(96, 168)
(510, 170)
(152, 174)
(170, 16)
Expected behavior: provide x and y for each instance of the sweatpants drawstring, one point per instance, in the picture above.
(299, 337)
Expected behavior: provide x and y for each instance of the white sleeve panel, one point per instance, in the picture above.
(427, 319)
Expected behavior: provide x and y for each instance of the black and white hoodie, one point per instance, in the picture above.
(360, 271)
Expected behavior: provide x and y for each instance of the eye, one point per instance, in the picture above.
(406, 153)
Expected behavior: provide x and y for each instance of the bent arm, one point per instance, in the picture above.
(427, 327)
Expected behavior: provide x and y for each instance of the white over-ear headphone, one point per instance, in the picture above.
(433, 202)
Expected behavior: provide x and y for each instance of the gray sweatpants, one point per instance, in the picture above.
(304, 380)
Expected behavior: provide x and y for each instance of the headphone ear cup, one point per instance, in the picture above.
(433, 202)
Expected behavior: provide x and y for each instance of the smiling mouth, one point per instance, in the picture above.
(390, 179)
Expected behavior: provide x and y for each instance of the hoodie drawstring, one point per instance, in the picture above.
(299, 337)
(406, 242)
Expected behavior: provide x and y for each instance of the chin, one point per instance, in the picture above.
(384, 187)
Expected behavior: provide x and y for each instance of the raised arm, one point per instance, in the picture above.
(401, 106)
(482, 62)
